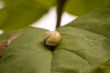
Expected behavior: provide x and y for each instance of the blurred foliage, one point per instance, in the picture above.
(47, 3)
(20, 13)
(81, 7)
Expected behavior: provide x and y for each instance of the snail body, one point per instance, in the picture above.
(53, 38)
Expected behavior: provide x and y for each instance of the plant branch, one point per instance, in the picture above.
(60, 8)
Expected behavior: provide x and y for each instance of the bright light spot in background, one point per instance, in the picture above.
(1, 32)
(1, 5)
(48, 21)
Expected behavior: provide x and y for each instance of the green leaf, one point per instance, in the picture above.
(47, 3)
(3, 16)
(98, 22)
(26, 54)
(96, 25)
(80, 7)
(80, 51)
(20, 13)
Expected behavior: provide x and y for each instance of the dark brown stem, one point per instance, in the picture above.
(60, 8)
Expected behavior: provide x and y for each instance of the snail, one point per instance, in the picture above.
(53, 38)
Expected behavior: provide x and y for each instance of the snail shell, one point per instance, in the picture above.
(53, 38)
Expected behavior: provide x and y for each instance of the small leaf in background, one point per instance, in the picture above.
(80, 7)
(3, 16)
(46, 3)
(20, 13)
